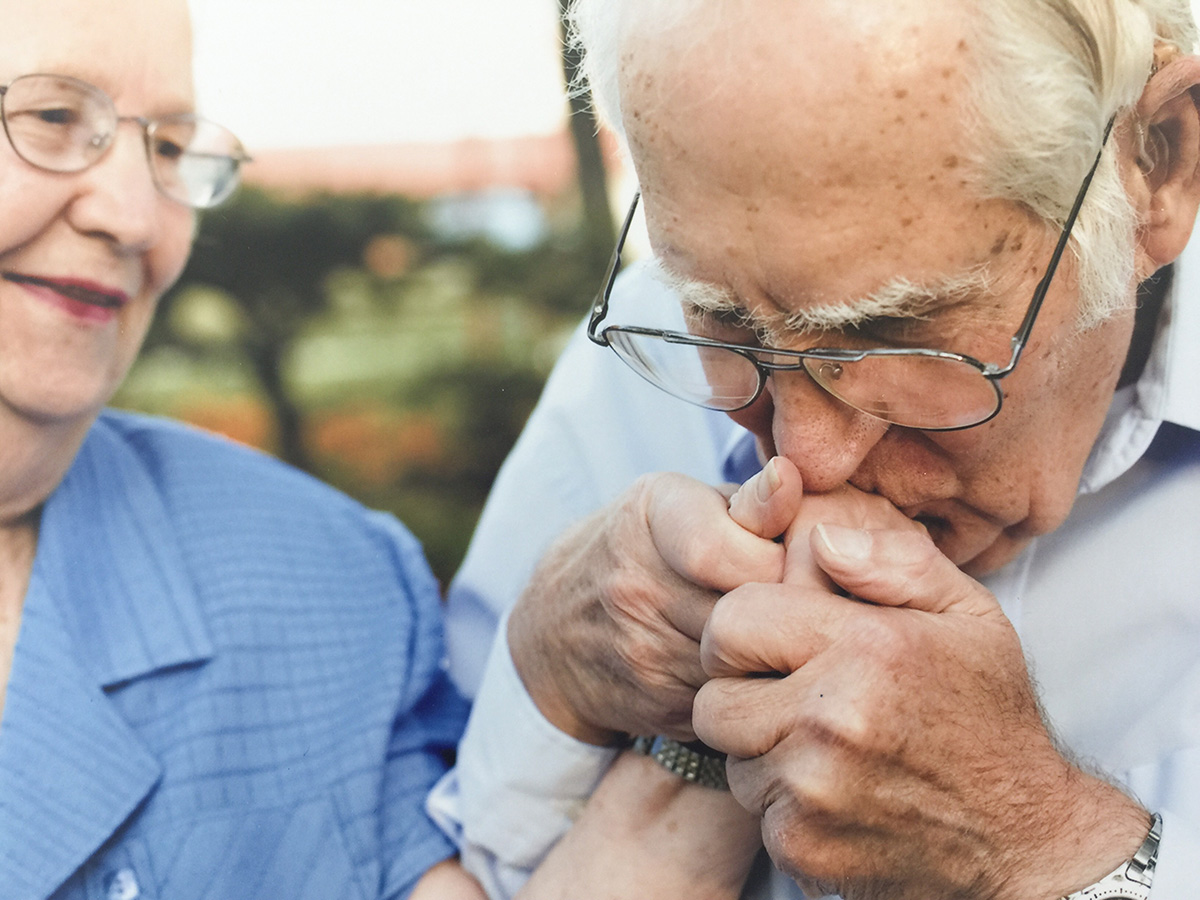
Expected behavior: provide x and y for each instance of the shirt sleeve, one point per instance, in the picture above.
(518, 783)
(429, 719)
(598, 426)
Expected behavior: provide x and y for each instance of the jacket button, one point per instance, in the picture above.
(123, 885)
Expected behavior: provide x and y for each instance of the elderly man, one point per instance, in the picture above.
(982, 457)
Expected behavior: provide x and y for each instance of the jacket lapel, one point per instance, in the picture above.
(70, 770)
(110, 601)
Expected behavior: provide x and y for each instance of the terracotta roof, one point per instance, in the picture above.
(543, 164)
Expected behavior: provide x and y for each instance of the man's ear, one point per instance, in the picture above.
(1165, 185)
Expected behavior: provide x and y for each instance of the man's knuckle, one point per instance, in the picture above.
(793, 841)
(876, 635)
(699, 550)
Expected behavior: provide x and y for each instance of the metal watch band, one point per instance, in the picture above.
(692, 761)
(1130, 880)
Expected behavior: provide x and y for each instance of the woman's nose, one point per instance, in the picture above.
(118, 200)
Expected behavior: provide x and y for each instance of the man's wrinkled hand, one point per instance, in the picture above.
(898, 750)
(607, 635)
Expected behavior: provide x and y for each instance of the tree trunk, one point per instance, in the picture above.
(599, 232)
(267, 359)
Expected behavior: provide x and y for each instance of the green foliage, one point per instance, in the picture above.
(556, 274)
(349, 337)
(487, 405)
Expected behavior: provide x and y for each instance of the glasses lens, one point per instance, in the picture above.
(58, 123)
(935, 393)
(195, 161)
(707, 376)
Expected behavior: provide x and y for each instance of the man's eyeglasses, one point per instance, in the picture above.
(61, 124)
(933, 390)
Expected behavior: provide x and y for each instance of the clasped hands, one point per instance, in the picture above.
(873, 699)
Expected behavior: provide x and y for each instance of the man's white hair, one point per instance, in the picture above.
(1051, 74)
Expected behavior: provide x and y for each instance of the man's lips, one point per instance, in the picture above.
(88, 292)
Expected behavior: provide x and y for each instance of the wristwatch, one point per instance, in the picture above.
(694, 761)
(1130, 880)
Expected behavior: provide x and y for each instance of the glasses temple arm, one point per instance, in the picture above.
(1043, 287)
(600, 305)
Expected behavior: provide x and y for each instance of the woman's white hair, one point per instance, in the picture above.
(1051, 76)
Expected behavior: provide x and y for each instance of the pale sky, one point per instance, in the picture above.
(289, 73)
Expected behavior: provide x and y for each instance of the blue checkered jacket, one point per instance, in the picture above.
(227, 685)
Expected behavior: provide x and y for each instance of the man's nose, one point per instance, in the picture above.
(827, 439)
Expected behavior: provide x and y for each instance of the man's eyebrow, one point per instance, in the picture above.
(702, 295)
(899, 298)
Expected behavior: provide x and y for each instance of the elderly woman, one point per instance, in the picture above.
(218, 678)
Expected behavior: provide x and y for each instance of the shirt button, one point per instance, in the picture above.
(123, 885)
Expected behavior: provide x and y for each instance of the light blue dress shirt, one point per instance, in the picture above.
(227, 685)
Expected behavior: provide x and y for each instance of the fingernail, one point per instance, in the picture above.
(851, 543)
(767, 482)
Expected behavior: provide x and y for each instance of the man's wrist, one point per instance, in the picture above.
(1090, 837)
(542, 683)
(1133, 878)
(692, 761)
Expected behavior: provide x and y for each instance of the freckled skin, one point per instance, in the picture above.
(883, 189)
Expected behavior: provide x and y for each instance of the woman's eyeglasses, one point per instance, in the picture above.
(61, 124)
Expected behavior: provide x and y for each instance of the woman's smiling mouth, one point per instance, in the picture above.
(82, 299)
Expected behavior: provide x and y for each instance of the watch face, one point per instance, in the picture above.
(1114, 892)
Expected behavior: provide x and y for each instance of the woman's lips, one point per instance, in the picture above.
(83, 299)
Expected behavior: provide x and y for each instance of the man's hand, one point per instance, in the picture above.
(606, 636)
(899, 752)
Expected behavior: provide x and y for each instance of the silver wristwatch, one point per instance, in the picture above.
(1130, 880)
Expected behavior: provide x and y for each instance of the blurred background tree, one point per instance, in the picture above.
(384, 317)
(365, 340)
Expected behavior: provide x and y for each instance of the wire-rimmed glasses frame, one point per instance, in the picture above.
(65, 125)
(768, 359)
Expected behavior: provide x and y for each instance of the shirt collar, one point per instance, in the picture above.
(1167, 391)
(110, 557)
(1181, 353)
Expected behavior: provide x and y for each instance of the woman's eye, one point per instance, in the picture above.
(57, 116)
(168, 149)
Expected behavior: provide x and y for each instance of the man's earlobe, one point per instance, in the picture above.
(1167, 154)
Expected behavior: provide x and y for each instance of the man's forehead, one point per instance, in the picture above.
(826, 121)
(837, 48)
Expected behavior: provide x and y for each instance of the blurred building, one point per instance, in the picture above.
(542, 164)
